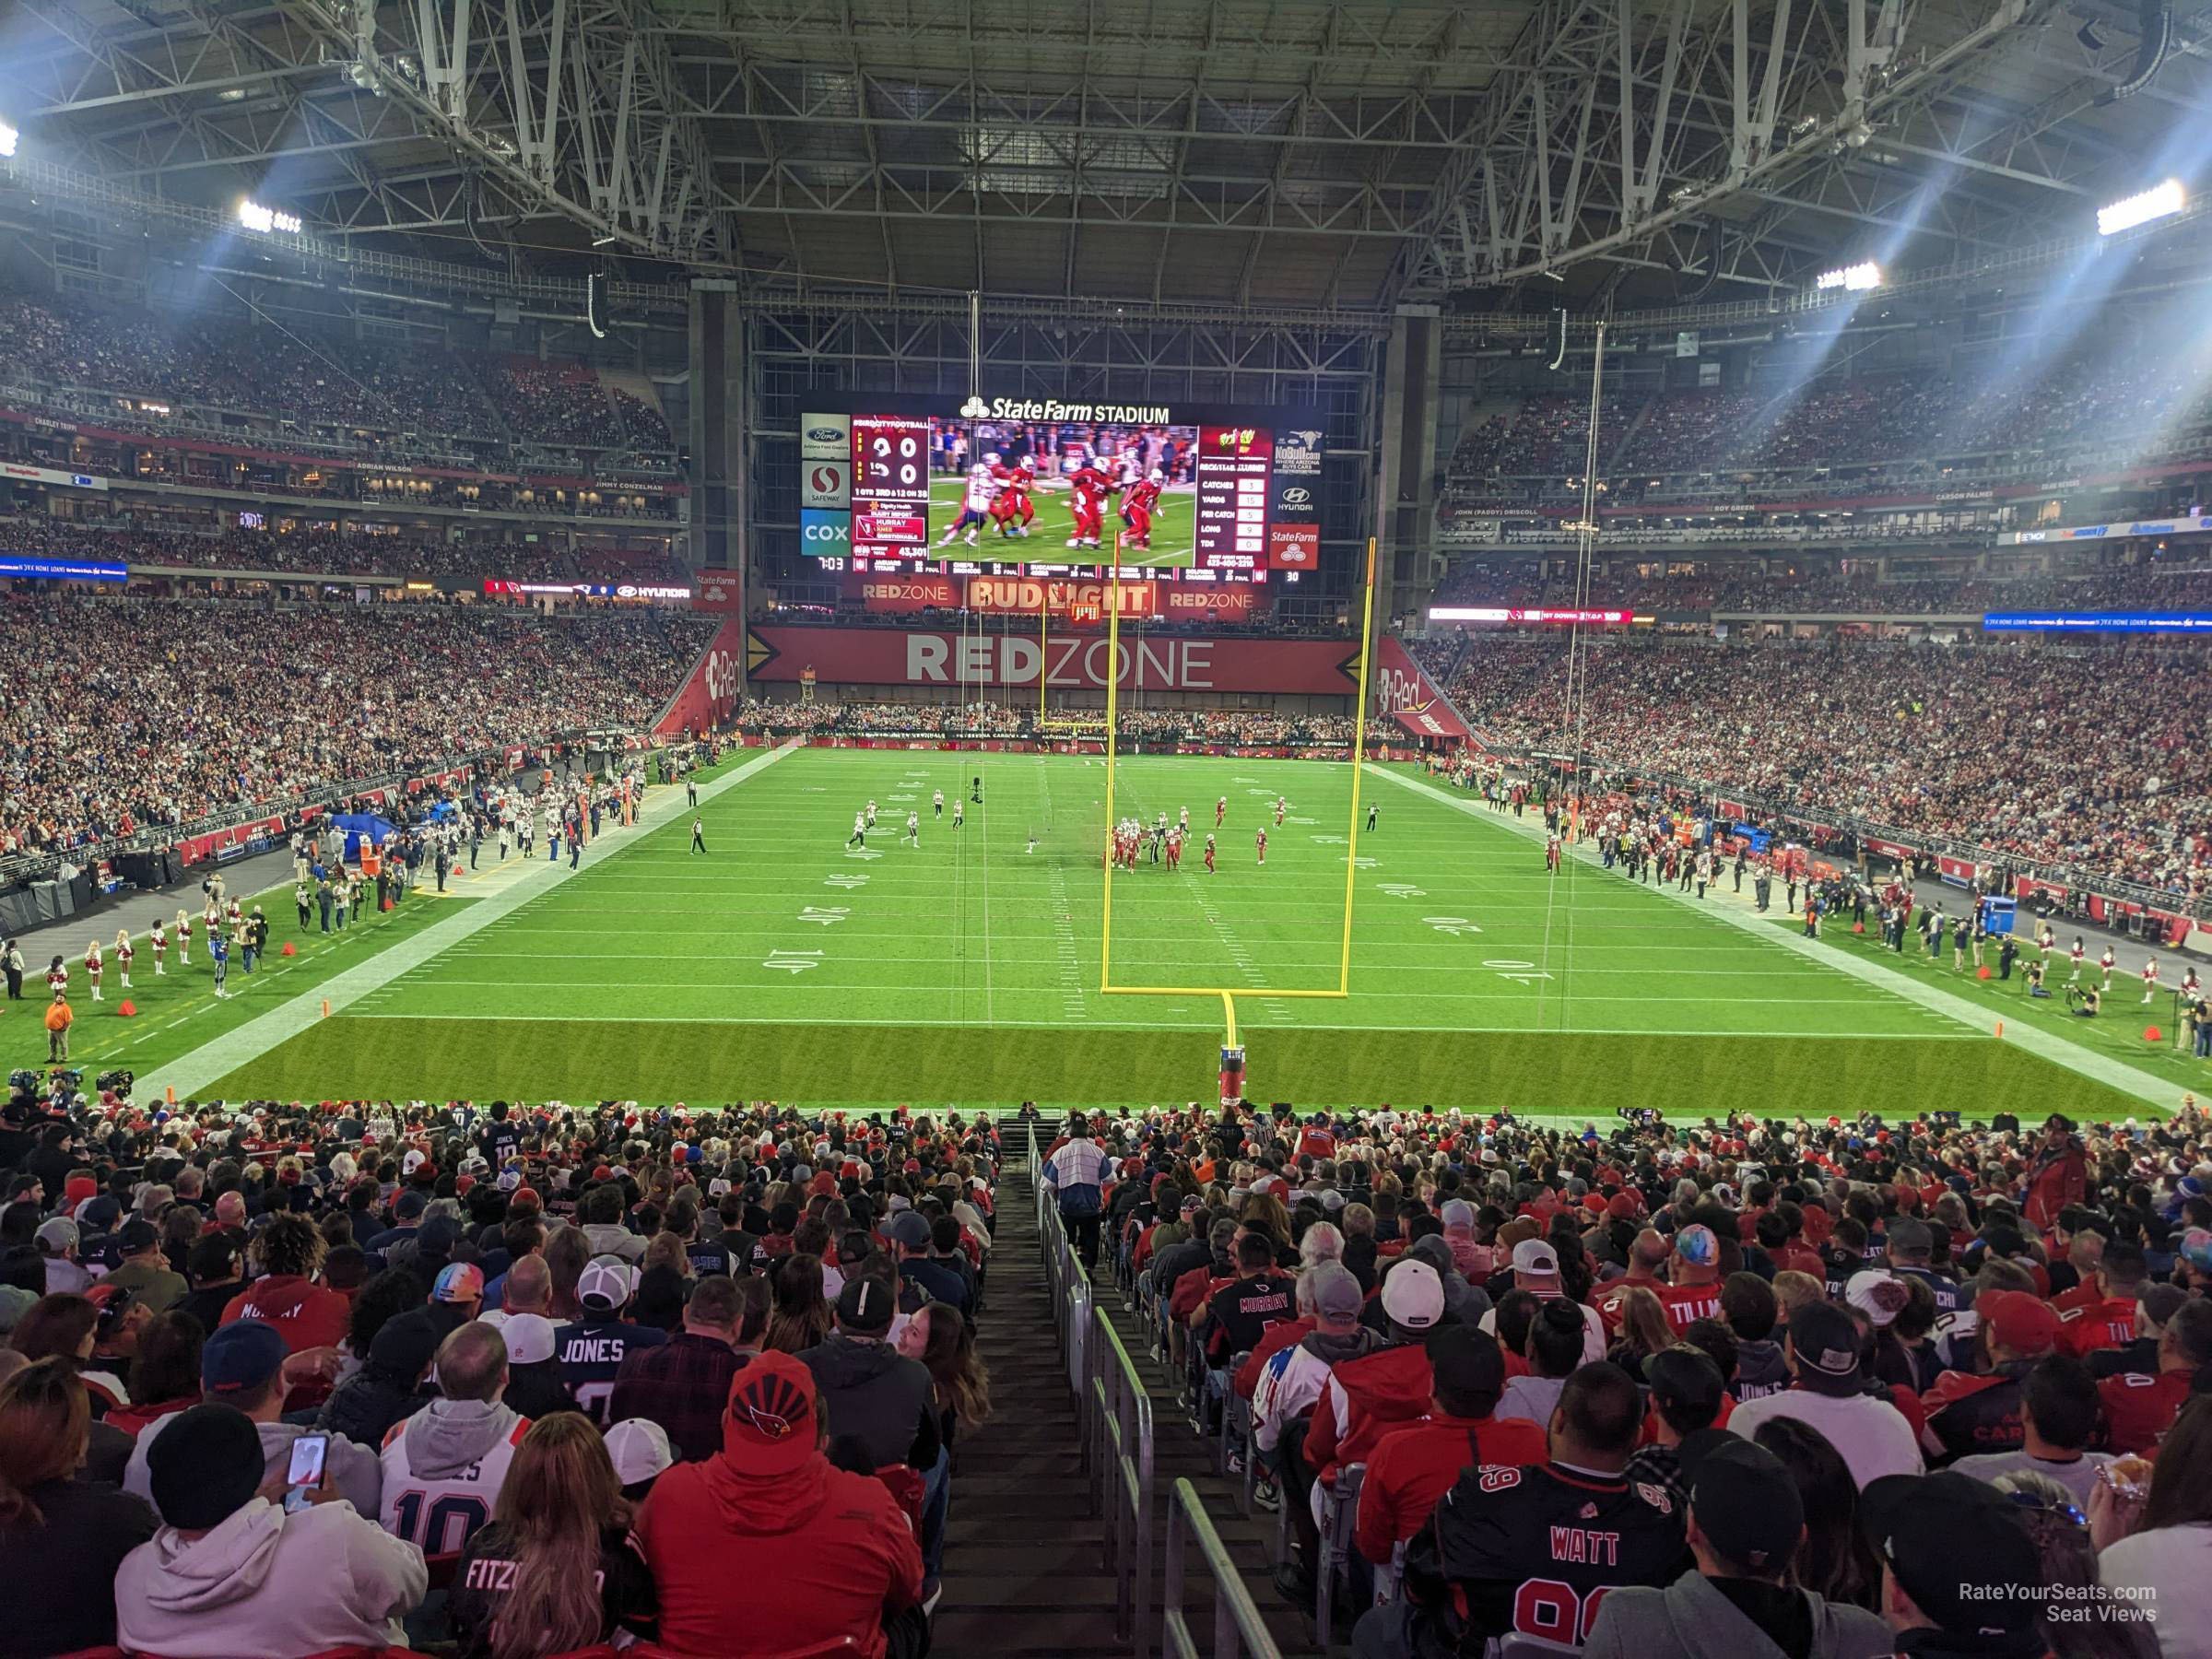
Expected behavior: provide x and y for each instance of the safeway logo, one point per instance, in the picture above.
(826, 480)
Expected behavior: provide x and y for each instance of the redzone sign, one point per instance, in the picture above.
(923, 657)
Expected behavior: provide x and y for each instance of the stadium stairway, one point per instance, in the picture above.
(1181, 1454)
(1025, 1565)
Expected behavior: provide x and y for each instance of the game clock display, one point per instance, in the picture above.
(1229, 493)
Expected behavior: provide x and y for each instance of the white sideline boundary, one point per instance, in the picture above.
(2101, 1068)
(220, 1056)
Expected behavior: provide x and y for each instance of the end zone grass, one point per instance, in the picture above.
(785, 964)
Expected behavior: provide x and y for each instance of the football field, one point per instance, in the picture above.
(784, 963)
(1174, 527)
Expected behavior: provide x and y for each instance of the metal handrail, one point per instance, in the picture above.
(1123, 1415)
(1114, 1412)
(1237, 1627)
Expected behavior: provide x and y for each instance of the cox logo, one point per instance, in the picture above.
(824, 434)
(825, 532)
(1297, 498)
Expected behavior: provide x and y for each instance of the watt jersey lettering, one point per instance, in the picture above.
(1535, 1550)
(439, 1515)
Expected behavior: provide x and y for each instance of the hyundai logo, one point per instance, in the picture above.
(1295, 497)
(825, 435)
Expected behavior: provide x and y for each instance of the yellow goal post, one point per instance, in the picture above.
(1351, 858)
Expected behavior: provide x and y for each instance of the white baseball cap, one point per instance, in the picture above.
(529, 1339)
(640, 1450)
(606, 1283)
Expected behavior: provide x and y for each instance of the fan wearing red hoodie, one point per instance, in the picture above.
(828, 1556)
(1364, 1398)
(1415, 1464)
(287, 1253)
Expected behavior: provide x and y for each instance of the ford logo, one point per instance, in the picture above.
(825, 435)
(1297, 498)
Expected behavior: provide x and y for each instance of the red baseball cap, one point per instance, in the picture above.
(2023, 1323)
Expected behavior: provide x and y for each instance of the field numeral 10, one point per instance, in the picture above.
(1454, 925)
(1512, 968)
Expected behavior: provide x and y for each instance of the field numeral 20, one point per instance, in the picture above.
(1454, 925)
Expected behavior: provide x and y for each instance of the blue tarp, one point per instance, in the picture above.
(356, 825)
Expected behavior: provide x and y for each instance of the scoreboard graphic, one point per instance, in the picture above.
(1225, 494)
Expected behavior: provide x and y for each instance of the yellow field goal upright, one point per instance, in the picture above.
(1351, 859)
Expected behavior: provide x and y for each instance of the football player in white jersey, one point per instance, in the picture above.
(975, 503)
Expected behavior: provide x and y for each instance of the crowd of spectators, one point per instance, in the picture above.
(1754, 1386)
(322, 552)
(2091, 760)
(984, 719)
(578, 1376)
(2132, 404)
(557, 403)
(314, 378)
(2162, 583)
(131, 715)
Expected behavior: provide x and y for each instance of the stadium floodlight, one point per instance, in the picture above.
(254, 216)
(1856, 280)
(8, 135)
(2160, 202)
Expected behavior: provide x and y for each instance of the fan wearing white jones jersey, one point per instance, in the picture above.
(590, 1352)
(445, 1465)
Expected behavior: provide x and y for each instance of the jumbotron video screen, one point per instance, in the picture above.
(1053, 485)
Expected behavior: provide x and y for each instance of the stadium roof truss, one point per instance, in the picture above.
(1236, 153)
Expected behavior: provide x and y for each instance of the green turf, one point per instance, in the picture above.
(1175, 528)
(178, 1011)
(785, 965)
(2123, 1031)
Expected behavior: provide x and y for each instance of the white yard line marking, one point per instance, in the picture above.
(220, 1056)
(2115, 1074)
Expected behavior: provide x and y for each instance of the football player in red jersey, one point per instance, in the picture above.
(1209, 855)
(1088, 488)
(1261, 841)
(1013, 510)
(1138, 500)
